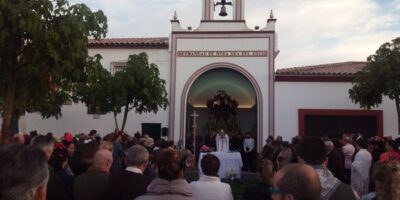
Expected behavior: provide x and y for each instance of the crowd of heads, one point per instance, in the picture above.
(24, 172)
(289, 169)
(298, 179)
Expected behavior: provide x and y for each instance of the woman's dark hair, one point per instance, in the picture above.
(312, 150)
(286, 144)
(169, 164)
(67, 144)
(57, 159)
(266, 170)
(361, 142)
(336, 143)
(210, 165)
(391, 143)
(92, 132)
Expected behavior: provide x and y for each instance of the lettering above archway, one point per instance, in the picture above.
(222, 53)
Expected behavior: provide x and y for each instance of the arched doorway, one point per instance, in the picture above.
(222, 95)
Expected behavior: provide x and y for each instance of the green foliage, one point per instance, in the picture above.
(138, 86)
(141, 85)
(381, 77)
(43, 51)
(93, 91)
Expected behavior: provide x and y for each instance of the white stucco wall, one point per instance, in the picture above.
(75, 118)
(292, 96)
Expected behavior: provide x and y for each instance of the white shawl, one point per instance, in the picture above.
(360, 169)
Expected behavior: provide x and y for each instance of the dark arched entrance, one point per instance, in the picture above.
(222, 98)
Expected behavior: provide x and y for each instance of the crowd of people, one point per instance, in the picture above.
(348, 168)
(87, 166)
(121, 167)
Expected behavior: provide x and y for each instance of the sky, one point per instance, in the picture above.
(309, 31)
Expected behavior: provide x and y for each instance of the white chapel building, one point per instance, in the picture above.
(222, 74)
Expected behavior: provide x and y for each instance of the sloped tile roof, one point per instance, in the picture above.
(333, 69)
(159, 42)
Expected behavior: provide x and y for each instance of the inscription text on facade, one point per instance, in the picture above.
(222, 53)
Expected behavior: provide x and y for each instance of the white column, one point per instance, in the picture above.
(208, 10)
(238, 9)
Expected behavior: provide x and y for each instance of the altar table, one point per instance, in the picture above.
(231, 164)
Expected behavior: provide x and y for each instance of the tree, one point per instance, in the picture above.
(43, 54)
(137, 86)
(381, 77)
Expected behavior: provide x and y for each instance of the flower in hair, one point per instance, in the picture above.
(59, 145)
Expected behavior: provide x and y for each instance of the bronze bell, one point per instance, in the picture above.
(223, 12)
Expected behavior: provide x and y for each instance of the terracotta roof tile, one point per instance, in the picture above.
(160, 42)
(343, 68)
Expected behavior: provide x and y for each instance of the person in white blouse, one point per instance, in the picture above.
(249, 153)
(360, 169)
(222, 141)
(209, 185)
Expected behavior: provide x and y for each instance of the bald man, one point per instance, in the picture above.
(93, 183)
(296, 181)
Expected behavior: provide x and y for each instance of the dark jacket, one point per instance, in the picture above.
(343, 192)
(336, 164)
(91, 185)
(257, 192)
(127, 185)
(59, 185)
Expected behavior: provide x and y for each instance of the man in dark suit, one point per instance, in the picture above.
(92, 185)
(131, 182)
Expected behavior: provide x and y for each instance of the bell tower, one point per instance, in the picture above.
(222, 43)
(212, 6)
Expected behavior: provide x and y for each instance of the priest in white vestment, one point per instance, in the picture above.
(222, 141)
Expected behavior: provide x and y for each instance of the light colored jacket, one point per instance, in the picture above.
(360, 169)
(160, 189)
(348, 151)
(210, 188)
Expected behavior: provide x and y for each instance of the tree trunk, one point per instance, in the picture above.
(8, 107)
(397, 101)
(115, 120)
(125, 116)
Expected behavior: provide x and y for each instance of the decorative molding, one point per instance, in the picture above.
(222, 53)
(313, 78)
(127, 46)
(225, 32)
(223, 21)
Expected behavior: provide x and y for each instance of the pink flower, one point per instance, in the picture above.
(204, 148)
